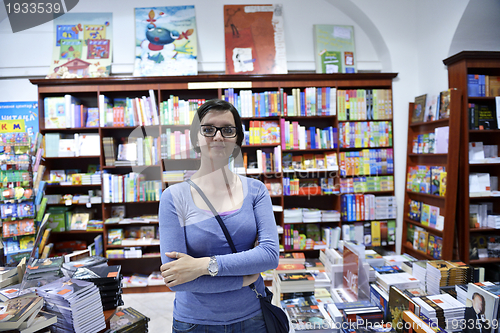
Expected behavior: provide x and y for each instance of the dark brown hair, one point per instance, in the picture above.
(216, 105)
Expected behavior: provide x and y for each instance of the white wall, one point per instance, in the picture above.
(409, 37)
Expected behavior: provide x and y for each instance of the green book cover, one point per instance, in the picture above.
(334, 49)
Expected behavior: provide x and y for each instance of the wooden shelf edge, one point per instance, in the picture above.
(417, 253)
(485, 261)
(147, 289)
(436, 232)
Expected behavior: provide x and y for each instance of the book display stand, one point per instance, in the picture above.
(431, 235)
(465, 69)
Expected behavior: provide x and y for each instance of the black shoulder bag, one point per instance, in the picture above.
(275, 318)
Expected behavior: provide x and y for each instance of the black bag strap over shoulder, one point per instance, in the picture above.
(219, 219)
(275, 318)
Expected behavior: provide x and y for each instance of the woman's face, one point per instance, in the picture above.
(217, 146)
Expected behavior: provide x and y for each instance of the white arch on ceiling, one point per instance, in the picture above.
(369, 28)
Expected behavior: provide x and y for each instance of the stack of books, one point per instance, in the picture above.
(14, 291)
(92, 261)
(399, 280)
(443, 310)
(8, 276)
(19, 313)
(419, 270)
(102, 277)
(306, 314)
(76, 303)
(442, 273)
(41, 271)
(128, 320)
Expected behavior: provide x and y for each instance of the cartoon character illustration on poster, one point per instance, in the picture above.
(159, 42)
(166, 41)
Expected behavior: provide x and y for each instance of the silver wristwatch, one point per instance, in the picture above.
(213, 267)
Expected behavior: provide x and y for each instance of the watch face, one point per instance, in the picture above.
(213, 268)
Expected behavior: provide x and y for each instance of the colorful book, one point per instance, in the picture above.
(254, 38)
(334, 48)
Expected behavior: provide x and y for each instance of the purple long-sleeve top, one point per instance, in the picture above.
(186, 228)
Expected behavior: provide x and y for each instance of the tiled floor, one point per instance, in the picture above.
(157, 306)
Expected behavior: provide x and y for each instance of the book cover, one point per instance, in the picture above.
(415, 210)
(431, 108)
(442, 184)
(82, 46)
(79, 221)
(444, 104)
(165, 41)
(115, 236)
(419, 109)
(15, 311)
(125, 318)
(398, 303)
(435, 178)
(334, 48)
(254, 39)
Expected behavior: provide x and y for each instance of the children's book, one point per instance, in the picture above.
(92, 117)
(334, 48)
(425, 216)
(115, 236)
(435, 178)
(79, 221)
(442, 183)
(166, 41)
(415, 210)
(419, 109)
(254, 38)
(17, 310)
(444, 104)
(82, 46)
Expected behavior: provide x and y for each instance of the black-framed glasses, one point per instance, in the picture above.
(211, 131)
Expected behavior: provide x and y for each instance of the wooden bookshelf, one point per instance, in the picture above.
(459, 66)
(447, 204)
(204, 87)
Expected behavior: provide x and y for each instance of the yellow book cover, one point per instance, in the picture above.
(442, 184)
(376, 241)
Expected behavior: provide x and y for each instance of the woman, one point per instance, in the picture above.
(211, 282)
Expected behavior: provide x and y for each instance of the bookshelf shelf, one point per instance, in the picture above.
(306, 150)
(418, 254)
(429, 155)
(74, 186)
(484, 261)
(491, 131)
(131, 202)
(444, 205)
(425, 195)
(430, 229)
(262, 145)
(374, 175)
(460, 66)
(73, 232)
(132, 245)
(71, 157)
(147, 289)
(72, 130)
(429, 124)
(362, 121)
(484, 230)
(361, 148)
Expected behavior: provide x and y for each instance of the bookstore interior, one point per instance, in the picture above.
(84, 165)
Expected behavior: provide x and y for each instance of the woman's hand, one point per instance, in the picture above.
(249, 279)
(184, 269)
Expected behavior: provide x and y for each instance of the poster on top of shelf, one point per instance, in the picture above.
(254, 38)
(334, 49)
(82, 46)
(28, 111)
(165, 41)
